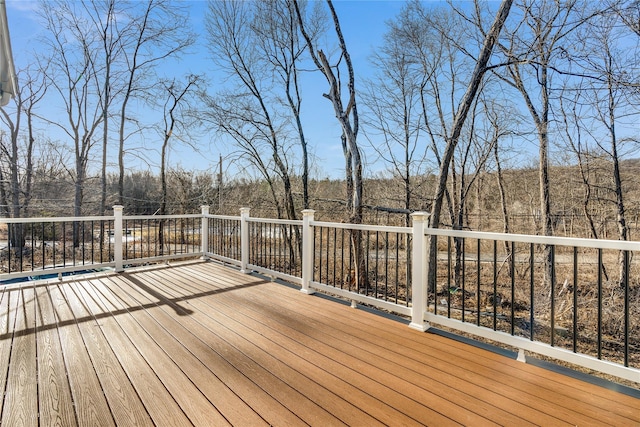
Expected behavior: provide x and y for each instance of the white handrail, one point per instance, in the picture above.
(55, 219)
(275, 221)
(542, 240)
(363, 227)
(225, 217)
(146, 217)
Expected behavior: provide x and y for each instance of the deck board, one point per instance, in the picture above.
(86, 389)
(22, 403)
(160, 404)
(197, 343)
(8, 308)
(55, 402)
(123, 400)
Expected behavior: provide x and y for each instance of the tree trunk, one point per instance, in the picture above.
(621, 221)
(458, 123)
(503, 205)
(78, 198)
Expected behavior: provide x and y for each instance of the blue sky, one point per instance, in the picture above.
(363, 24)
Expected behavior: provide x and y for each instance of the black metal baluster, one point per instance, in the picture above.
(33, 246)
(377, 261)
(216, 228)
(575, 299)
(531, 290)
(351, 265)
(320, 258)
(625, 255)
(132, 235)
(101, 242)
(479, 268)
(44, 256)
(313, 261)
(409, 242)
(464, 279)
(341, 257)
(335, 255)
(175, 235)
(10, 246)
(92, 242)
(222, 229)
(287, 244)
(397, 264)
(513, 288)
(263, 244)
(271, 244)
(435, 276)
(53, 243)
(553, 295)
(331, 280)
(20, 249)
(367, 284)
(449, 276)
(599, 303)
(83, 241)
(386, 265)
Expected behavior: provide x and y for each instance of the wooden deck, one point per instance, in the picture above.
(200, 344)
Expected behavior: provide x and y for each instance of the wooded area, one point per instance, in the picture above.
(459, 95)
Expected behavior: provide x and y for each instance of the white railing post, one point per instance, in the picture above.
(244, 240)
(419, 272)
(307, 251)
(117, 238)
(204, 232)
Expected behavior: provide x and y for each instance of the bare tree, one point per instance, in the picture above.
(156, 31)
(608, 67)
(250, 112)
(175, 117)
(73, 52)
(347, 115)
(278, 36)
(17, 156)
(392, 102)
(103, 16)
(464, 106)
(571, 112)
(475, 148)
(499, 119)
(536, 52)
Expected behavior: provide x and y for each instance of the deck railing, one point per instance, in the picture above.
(275, 247)
(38, 246)
(223, 238)
(576, 300)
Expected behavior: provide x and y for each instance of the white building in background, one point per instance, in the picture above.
(8, 83)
